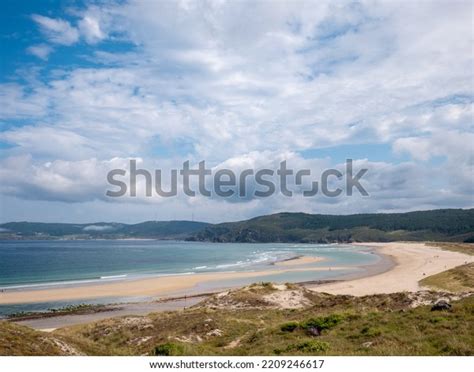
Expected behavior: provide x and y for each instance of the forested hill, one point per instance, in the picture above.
(438, 225)
(101, 230)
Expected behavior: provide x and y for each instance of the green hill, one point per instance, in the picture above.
(101, 230)
(437, 225)
(451, 225)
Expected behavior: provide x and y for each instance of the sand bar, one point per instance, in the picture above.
(146, 287)
(413, 262)
(301, 260)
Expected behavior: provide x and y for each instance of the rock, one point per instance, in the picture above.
(367, 344)
(441, 305)
(313, 331)
(214, 332)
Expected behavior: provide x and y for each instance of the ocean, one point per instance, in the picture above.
(40, 264)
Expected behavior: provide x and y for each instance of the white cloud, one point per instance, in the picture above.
(98, 228)
(57, 31)
(234, 82)
(41, 51)
(90, 29)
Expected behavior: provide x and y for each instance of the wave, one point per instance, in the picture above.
(79, 282)
(114, 276)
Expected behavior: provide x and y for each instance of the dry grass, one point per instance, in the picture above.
(466, 248)
(459, 279)
(394, 324)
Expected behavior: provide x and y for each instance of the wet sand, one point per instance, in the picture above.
(49, 324)
(301, 260)
(147, 287)
(401, 266)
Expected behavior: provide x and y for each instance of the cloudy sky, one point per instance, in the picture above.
(85, 86)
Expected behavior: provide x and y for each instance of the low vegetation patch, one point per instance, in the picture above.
(467, 248)
(323, 323)
(168, 349)
(310, 346)
(458, 279)
(289, 327)
(67, 310)
(384, 324)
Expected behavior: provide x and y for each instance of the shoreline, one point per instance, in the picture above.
(392, 273)
(147, 287)
(412, 262)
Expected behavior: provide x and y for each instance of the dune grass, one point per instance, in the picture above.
(466, 248)
(458, 279)
(17, 340)
(385, 324)
(374, 325)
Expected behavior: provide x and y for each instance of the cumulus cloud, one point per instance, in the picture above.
(238, 84)
(60, 180)
(90, 29)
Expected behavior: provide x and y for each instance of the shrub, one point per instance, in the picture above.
(309, 346)
(168, 349)
(371, 332)
(323, 323)
(289, 327)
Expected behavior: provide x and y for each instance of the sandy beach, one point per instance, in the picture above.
(413, 262)
(149, 287)
(408, 263)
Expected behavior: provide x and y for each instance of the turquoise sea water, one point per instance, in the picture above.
(45, 264)
(38, 263)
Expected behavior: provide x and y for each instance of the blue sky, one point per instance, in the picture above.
(87, 85)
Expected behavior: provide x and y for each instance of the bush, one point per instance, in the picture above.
(168, 349)
(289, 327)
(371, 332)
(323, 323)
(309, 346)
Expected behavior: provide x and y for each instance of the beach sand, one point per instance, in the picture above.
(402, 266)
(149, 287)
(301, 260)
(413, 262)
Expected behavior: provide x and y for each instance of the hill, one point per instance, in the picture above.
(101, 230)
(449, 225)
(436, 225)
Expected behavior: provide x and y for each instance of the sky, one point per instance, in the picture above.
(85, 86)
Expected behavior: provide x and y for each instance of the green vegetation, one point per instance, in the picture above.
(323, 323)
(448, 225)
(289, 327)
(17, 340)
(71, 309)
(455, 225)
(467, 248)
(168, 349)
(459, 279)
(389, 324)
(306, 347)
(318, 324)
(101, 230)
